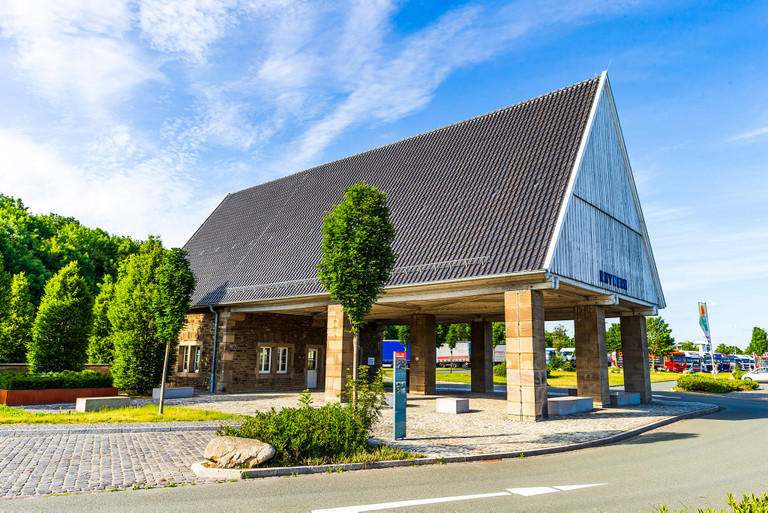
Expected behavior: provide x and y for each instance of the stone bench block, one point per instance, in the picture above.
(573, 392)
(452, 405)
(569, 405)
(174, 392)
(84, 404)
(624, 398)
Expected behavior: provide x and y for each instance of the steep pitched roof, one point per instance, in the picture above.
(477, 198)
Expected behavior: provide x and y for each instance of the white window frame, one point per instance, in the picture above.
(265, 350)
(185, 358)
(194, 356)
(282, 360)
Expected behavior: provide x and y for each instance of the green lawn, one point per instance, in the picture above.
(147, 413)
(561, 378)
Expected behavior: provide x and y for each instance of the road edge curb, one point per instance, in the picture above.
(221, 474)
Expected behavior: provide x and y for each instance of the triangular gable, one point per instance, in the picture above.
(601, 239)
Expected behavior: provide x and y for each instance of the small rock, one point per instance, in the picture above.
(236, 452)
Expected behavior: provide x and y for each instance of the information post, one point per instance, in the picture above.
(398, 391)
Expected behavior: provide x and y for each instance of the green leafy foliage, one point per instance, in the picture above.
(660, 340)
(457, 333)
(568, 366)
(60, 331)
(759, 342)
(357, 251)
(41, 245)
(65, 379)
(613, 337)
(16, 322)
(500, 369)
(560, 338)
(688, 346)
(390, 332)
(305, 434)
(705, 383)
(151, 299)
(499, 333)
(722, 348)
(404, 335)
(101, 347)
(555, 363)
(747, 504)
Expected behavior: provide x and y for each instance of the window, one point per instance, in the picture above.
(282, 360)
(265, 360)
(189, 358)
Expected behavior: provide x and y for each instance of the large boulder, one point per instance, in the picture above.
(236, 452)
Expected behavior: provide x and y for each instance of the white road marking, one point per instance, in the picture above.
(565, 488)
(405, 504)
(534, 490)
(526, 492)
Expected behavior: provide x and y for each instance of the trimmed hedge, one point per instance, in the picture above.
(705, 383)
(64, 379)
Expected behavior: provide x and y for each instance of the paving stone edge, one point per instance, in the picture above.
(228, 474)
(124, 428)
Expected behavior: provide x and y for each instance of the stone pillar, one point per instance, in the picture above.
(225, 354)
(591, 354)
(634, 348)
(423, 354)
(481, 357)
(370, 347)
(526, 356)
(338, 354)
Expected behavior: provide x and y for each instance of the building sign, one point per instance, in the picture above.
(398, 391)
(704, 322)
(612, 279)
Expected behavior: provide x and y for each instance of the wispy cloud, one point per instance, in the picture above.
(752, 134)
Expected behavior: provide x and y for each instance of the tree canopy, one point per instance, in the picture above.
(357, 251)
(60, 331)
(660, 340)
(152, 296)
(759, 342)
(613, 337)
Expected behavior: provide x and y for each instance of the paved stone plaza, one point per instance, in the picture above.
(54, 459)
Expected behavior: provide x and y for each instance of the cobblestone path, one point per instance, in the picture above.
(63, 463)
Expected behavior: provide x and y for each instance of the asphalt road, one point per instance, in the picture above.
(689, 464)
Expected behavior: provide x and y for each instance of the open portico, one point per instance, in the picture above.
(524, 215)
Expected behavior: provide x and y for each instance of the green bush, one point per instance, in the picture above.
(569, 367)
(737, 372)
(65, 379)
(303, 434)
(555, 363)
(705, 383)
(500, 369)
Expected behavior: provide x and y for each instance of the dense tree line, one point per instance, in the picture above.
(71, 294)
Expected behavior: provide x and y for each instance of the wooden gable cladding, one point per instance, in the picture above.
(603, 241)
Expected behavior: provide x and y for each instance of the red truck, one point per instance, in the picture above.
(675, 362)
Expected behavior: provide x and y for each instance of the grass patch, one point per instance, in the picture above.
(146, 413)
(377, 453)
(562, 378)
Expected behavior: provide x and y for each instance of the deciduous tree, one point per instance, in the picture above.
(101, 347)
(759, 342)
(660, 340)
(16, 324)
(613, 337)
(63, 321)
(357, 257)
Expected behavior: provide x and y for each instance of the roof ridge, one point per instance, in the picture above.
(434, 130)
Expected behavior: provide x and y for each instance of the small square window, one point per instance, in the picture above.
(282, 360)
(265, 360)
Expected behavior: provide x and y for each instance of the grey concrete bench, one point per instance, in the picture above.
(624, 398)
(84, 404)
(174, 392)
(569, 405)
(452, 405)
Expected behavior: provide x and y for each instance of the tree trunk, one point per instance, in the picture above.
(165, 372)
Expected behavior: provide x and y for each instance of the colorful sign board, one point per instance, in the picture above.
(704, 322)
(398, 391)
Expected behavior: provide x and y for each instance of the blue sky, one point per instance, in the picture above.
(138, 117)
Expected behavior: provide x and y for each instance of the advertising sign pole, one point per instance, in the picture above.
(398, 391)
(704, 323)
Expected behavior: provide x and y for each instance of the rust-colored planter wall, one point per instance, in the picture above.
(51, 396)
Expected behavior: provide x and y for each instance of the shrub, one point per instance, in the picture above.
(569, 367)
(555, 362)
(500, 369)
(748, 504)
(705, 383)
(66, 379)
(305, 433)
(60, 331)
(738, 372)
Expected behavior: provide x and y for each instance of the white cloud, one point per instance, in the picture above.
(76, 51)
(750, 134)
(129, 194)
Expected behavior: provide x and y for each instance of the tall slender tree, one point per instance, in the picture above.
(101, 346)
(357, 257)
(16, 327)
(60, 331)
